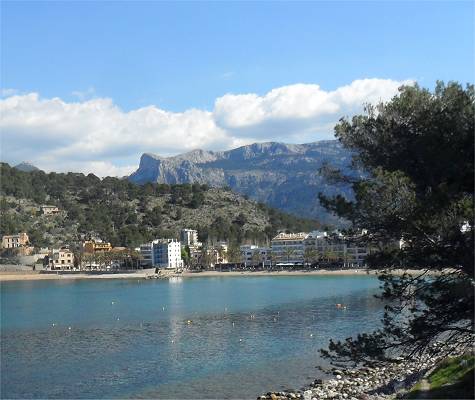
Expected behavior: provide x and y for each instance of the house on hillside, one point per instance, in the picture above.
(49, 210)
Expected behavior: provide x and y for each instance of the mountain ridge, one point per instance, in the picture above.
(286, 176)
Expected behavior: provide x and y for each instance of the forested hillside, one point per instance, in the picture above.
(127, 214)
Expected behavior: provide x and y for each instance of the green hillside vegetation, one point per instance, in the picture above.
(127, 214)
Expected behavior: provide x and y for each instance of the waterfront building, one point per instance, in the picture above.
(247, 252)
(61, 259)
(188, 237)
(289, 248)
(13, 241)
(255, 255)
(49, 210)
(146, 253)
(327, 247)
(218, 253)
(162, 253)
(93, 246)
(336, 247)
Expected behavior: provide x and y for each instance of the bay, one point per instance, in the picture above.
(207, 337)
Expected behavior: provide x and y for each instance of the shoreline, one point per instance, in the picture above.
(6, 276)
(377, 381)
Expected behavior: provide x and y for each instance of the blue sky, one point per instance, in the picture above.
(177, 56)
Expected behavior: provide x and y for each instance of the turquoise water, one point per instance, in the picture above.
(230, 337)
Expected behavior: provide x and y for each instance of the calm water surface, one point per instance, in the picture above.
(230, 337)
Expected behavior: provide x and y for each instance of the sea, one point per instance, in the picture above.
(184, 338)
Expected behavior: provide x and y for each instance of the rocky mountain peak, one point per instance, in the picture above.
(285, 176)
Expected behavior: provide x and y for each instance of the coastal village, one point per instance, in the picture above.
(316, 249)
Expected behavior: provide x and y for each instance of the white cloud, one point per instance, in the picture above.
(303, 106)
(84, 94)
(4, 92)
(97, 136)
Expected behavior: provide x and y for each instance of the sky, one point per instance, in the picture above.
(89, 86)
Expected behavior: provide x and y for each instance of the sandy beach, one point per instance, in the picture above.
(28, 276)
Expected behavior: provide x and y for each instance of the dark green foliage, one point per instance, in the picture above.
(418, 151)
(124, 213)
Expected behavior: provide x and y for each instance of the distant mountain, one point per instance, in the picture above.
(26, 167)
(285, 176)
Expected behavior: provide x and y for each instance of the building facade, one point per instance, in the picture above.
(49, 210)
(14, 241)
(61, 259)
(92, 246)
(337, 248)
(252, 255)
(162, 253)
(188, 237)
(289, 248)
(146, 253)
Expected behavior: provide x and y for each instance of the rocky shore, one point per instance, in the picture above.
(365, 383)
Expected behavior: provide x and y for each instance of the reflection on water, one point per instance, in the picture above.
(190, 338)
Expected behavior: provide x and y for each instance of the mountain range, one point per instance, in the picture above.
(285, 176)
(26, 167)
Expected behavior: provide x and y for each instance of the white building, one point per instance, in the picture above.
(337, 247)
(188, 237)
(255, 255)
(331, 247)
(162, 253)
(289, 248)
(295, 248)
(49, 210)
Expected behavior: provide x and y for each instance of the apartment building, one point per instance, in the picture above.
(337, 247)
(61, 259)
(255, 255)
(14, 241)
(329, 247)
(146, 253)
(188, 237)
(162, 253)
(289, 248)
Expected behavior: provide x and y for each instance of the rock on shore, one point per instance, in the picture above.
(365, 383)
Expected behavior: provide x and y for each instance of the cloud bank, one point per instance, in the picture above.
(97, 136)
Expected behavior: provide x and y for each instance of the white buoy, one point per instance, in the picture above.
(311, 335)
(54, 324)
(69, 328)
(118, 319)
(112, 303)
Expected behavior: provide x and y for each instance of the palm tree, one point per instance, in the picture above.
(271, 257)
(289, 252)
(234, 254)
(310, 255)
(256, 258)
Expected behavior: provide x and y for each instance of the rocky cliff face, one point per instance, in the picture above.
(285, 176)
